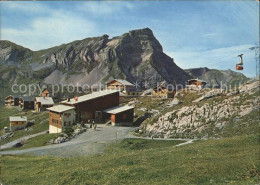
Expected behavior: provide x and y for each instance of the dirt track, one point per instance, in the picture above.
(87, 143)
(90, 142)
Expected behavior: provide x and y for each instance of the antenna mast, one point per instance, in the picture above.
(257, 59)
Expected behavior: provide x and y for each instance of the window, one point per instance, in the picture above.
(67, 114)
(124, 116)
(65, 123)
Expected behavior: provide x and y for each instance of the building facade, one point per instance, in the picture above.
(12, 100)
(196, 84)
(60, 118)
(17, 122)
(88, 107)
(120, 115)
(42, 103)
(45, 93)
(163, 92)
(124, 87)
(26, 103)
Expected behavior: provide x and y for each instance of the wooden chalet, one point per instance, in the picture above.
(123, 86)
(17, 122)
(120, 115)
(163, 92)
(61, 117)
(196, 84)
(12, 100)
(45, 93)
(41, 103)
(26, 102)
(90, 106)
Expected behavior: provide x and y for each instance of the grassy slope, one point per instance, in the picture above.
(41, 122)
(37, 141)
(227, 161)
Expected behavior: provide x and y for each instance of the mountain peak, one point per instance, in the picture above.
(143, 31)
(136, 56)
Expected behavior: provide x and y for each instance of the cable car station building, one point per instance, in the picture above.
(100, 106)
(90, 106)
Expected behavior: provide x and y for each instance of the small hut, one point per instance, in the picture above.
(41, 103)
(26, 102)
(12, 100)
(120, 115)
(196, 84)
(45, 93)
(164, 92)
(17, 122)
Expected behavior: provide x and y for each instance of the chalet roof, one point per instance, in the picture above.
(196, 80)
(14, 96)
(123, 82)
(27, 98)
(122, 94)
(118, 109)
(44, 90)
(91, 96)
(18, 118)
(45, 100)
(60, 108)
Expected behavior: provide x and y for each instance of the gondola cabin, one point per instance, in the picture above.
(238, 67)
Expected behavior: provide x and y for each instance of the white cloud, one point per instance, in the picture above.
(29, 7)
(207, 35)
(104, 7)
(53, 27)
(57, 28)
(220, 58)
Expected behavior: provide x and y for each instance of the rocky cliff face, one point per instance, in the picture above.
(11, 53)
(135, 56)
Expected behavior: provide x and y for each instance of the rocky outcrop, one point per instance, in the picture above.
(217, 78)
(191, 121)
(135, 56)
(63, 137)
(11, 53)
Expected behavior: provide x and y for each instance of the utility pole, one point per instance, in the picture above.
(257, 59)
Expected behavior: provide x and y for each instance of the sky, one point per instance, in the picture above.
(195, 33)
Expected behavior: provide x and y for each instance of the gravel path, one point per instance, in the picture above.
(13, 143)
(89, 142)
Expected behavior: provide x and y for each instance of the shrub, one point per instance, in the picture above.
(68, 131)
